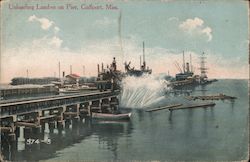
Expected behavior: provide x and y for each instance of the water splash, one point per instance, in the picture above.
(144, 91)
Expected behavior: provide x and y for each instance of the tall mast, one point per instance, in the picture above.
(120, 34)
(183, 62)
(70, 69)
(203, 67)
(140, 61)
(83, 70)
(144, 62)
(27, 73)
(191, 67)
(59, 70)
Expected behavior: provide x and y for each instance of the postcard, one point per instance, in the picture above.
(124, 80)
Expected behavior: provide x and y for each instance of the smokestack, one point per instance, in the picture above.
(183, 62)
(59, 70)
(27, 73)
(143, 52)
(114, 64)
(191, 67)
(98, 68)
(83, 70)
(63, 74)
(187, 67)
(140, 61)
(102, 67)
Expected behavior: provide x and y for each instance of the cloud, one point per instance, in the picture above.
(56, 29)
(173, 19)
(105, 21)
(196, 27)
(53, 42)
(44, 22)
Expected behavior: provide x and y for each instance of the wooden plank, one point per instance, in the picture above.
(5, 129)
(46, 117)
(212, 97)
(70, 113)
(165, 107)
(193, 106)
(32, 125)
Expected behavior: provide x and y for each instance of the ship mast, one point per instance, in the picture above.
(59, 70)
(120, 34)
(183, 62)
(191, 66)
(203, 68)
(144, 62)
(140, 60)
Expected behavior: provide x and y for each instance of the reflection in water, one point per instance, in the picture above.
(170, 120)
(74, 132)
(203, 90)
(108, 134)
(205, 118)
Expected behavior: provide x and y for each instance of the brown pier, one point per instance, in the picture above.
(57, 111)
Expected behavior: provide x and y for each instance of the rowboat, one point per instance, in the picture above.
(111, 116)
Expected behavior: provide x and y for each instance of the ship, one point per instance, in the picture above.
(187, 76)
(138, 72)
(108, 78)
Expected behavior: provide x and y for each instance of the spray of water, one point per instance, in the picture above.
(144, 91)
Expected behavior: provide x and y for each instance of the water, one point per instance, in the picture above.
(218, 133)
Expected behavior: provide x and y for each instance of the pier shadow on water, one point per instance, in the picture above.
(46, 142)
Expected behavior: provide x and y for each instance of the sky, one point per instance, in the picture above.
(37, 39)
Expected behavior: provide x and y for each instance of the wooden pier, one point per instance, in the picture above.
(27, 90)
(34, 112)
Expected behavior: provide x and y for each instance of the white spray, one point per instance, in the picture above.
(144, 91)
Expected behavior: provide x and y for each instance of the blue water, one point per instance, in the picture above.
(218, 133)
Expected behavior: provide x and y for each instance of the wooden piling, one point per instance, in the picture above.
(165, 107)
(193, 106)
(212, 97)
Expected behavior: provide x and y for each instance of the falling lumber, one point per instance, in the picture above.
(165, 107)
(193, 106)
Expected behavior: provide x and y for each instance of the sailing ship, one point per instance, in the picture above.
(138, 72)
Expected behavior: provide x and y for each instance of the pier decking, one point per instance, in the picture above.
(34, 112)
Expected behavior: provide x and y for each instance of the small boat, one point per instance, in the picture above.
(111, 116)
(72, 89)
(68, 90)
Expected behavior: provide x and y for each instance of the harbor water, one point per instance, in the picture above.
(218, 133)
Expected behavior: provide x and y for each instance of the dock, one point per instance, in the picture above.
(211, 97)
(7, 92)
(33, 113)
(165, 107)
(193, 106)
